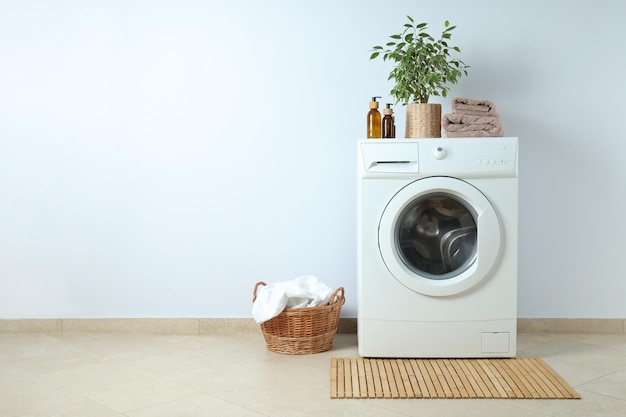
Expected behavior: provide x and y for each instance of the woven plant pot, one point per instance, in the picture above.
(423, 120)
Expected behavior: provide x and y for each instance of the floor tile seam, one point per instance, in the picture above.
(12, 337)
(155, 350)
(81, 350)
(581, 385)
(617, 349)
(248, 407)
(65, 337)
(244, 404)
(568, 337)
(554, 338)
(547, 357)
(503, 402)
(70, 393)
(197, 394)
(95, 396)
(610, 349)
(64, 393)
(45, 410)
(380, 404)
(582, 392)
(145, 371)
(52, 377)
(165, 378)
(154, 375)
(563, 337)
(520, 404)
(97, 351)
(606, 371)
(205, 391)
(598, 378)
(591, 365)
(231, 361)
(293, 385)
(320, 390)
(137, 371)
(529, 353)
(276, 372)
(103, 405)
(47, 376)
(596, 364)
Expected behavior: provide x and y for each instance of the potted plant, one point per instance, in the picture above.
(423, 68)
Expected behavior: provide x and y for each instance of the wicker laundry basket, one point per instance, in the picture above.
(302, 331)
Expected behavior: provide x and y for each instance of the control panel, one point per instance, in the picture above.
(470, 157)
(486, 156)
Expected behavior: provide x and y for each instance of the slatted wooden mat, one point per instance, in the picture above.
(446, 378)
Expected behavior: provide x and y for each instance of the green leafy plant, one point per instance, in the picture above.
(424, 66)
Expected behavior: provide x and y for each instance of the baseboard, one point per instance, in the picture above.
(571, 326)
(248, 325)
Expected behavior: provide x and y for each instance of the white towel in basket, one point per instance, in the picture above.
(304, 291)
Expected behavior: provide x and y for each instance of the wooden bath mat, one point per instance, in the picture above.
(446, 378)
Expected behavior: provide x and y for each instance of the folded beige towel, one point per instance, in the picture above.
(472, 134)
(467, 125)
(476, 107)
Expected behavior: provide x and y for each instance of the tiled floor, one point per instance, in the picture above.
(135, 375)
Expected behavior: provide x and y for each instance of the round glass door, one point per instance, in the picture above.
(439, 236)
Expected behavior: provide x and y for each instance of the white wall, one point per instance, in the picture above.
(157, 158)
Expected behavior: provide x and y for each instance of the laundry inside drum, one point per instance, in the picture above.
(436, 236)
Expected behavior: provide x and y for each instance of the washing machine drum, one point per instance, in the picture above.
(439, 236)
(436, 236)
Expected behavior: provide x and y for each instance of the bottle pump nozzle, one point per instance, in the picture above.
(374, 103)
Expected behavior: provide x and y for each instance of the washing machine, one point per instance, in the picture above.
(437, 247)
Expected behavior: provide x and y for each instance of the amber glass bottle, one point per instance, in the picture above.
(374, 120)
(388, 125)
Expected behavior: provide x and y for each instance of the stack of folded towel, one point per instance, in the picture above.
(472, 118)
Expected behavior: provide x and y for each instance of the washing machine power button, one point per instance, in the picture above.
(439, 153)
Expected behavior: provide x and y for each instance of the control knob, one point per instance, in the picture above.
(439, 152)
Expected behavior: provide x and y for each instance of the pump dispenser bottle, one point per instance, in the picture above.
(374, 120)
(388, 125)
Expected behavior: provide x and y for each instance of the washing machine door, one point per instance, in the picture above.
(439, 236)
